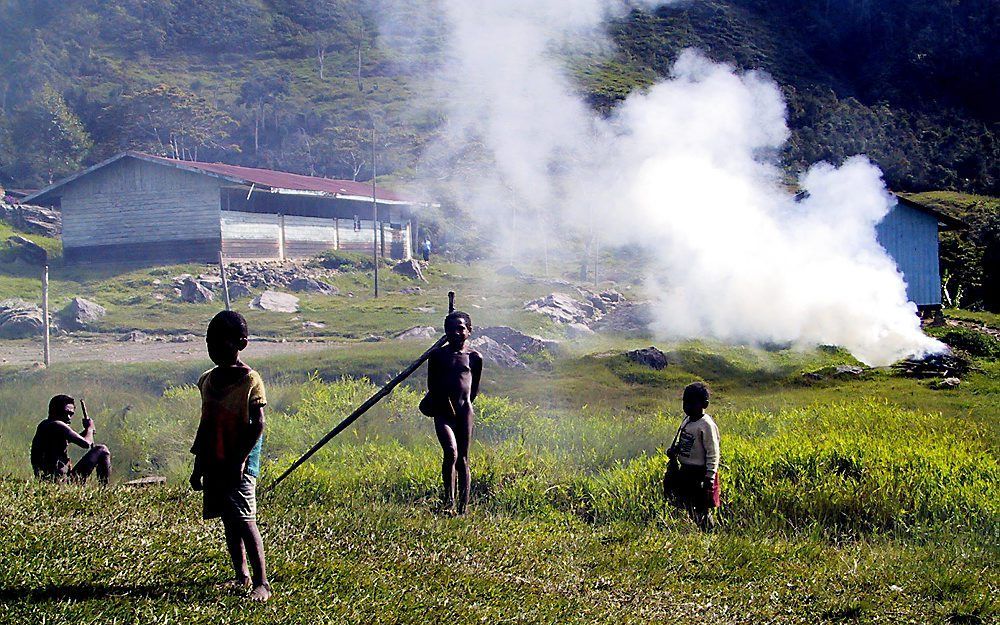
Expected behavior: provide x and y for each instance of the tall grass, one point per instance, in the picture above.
(860, 464)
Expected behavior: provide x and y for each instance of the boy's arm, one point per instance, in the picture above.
(84, 439)
(476, 364)
(253, 433)
(711, 440)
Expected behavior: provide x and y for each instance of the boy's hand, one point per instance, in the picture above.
(87, 423)
(196, 481)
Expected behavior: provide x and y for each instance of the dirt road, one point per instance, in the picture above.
(108, 349)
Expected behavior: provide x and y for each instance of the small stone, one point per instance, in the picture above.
(135, 336)
(578, 330)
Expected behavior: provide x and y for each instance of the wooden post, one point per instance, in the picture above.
(374, 212)
(281, 237)
(225, 282)
(45, 314)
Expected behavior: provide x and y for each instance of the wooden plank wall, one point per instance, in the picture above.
(136, 210)
(269, 236)
(250, 235)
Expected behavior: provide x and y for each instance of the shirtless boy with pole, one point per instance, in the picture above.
(453, 374)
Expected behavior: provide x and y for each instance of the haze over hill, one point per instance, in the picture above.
(274, 83)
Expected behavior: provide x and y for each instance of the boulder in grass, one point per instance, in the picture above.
(561, 308)
(238, 290)
(410, 269)
(275, 301)
(649, 357)
(20, 319)
(80, 314)
(418, 332)
(578, 330)
(496, 353)
(311, 285)
(194, 292)
(516, 340)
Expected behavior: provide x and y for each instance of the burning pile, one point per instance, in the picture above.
(940, 365)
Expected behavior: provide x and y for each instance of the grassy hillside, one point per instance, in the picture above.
(914, 92)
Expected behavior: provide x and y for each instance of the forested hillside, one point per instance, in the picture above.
(275, 83)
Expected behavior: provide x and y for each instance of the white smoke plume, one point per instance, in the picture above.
(686, 170)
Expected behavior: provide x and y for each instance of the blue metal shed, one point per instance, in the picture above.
(909, 233)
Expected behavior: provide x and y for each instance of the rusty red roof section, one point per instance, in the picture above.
(282, 180)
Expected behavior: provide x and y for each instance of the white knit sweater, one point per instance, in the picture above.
(698, 444)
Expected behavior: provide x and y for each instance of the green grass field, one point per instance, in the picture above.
(860, 499)
(863, 500)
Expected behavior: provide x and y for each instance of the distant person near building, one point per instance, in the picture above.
(50, 446)
(426, 249)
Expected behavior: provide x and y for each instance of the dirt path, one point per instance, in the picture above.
(27, 353)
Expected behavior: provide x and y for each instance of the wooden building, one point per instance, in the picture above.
(139, 207)
(909, 233)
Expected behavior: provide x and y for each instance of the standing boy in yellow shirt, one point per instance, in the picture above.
(227, 449)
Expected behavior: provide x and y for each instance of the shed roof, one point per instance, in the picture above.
(275, 181)
(945, 221)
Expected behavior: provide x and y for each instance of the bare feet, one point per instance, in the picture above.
(237, 584)
(261, 592)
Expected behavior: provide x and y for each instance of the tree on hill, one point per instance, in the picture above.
(174, 122)
(48, 138)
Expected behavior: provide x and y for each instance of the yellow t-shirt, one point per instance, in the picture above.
(225, 418)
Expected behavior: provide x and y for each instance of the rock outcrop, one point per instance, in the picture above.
(496, 354)
(19, 319)
(32, 219)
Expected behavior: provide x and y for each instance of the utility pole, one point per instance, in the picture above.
(45, 313)
(375, 228)
(371, 116)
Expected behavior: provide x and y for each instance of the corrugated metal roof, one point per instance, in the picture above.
(278, 181)
(284, 180)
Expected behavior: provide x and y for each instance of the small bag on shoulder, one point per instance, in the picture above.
(672, 476)
(426, 405)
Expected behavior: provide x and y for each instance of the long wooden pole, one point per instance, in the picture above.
(363, 408)
(45, 314)
(225, 281)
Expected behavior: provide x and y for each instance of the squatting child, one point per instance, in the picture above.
(227, 449)
(696, 447)
(453, 374)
